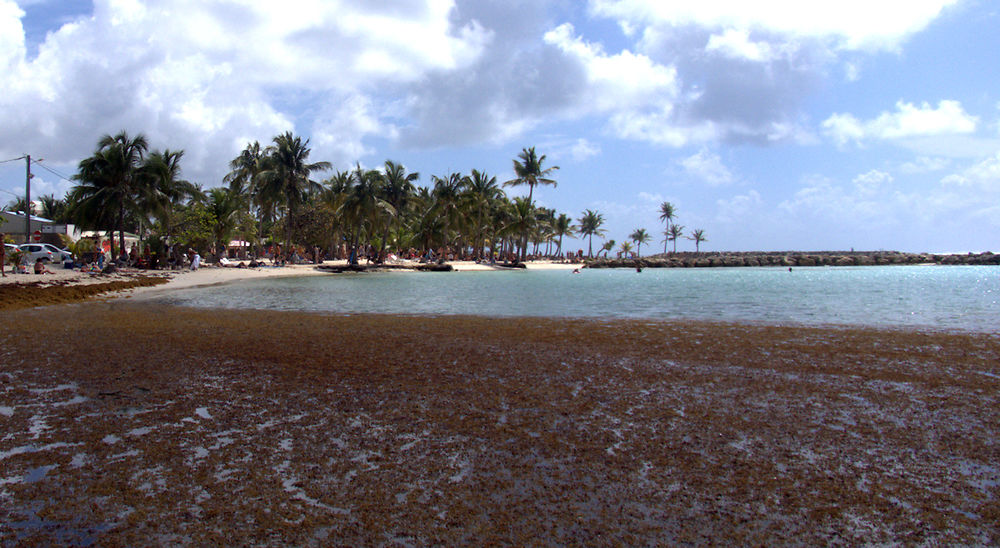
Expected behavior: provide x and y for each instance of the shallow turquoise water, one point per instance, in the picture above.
(944, 297)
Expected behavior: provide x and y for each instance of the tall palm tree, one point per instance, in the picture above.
(522, 218)
(640, 236)
(333, 198)
(110, 180)
(675, 232)
(285, 177)
(447, 199)
(563, 226)
(590, 225)
(480, 194)
(530, 172)
(167, 191)
(397, 189)
(698, 236)
(243, 181)
(667, 214)
(225, 206)
(244, 168)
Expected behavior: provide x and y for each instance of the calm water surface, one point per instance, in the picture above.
(945, 297)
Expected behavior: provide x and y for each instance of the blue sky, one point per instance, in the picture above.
(771, 125)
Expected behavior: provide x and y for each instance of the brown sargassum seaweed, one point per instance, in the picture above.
(135, 424)
(40, 293)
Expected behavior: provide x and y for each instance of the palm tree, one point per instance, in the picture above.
(21, 204)
(333, 198)
(563, 226)
(606, 248)
(447, 195)
(522, 218)
(529, 172)
(52, 208)
(590, 225)
(167, 191)
(480, 195)
(225, 207)
(110, 181)
(698, 236)
(625, 248)
(676, 231)
(243, 181)
(639, 237)
(397, 189)
(666, 214)
(245, 168)
(285, 177)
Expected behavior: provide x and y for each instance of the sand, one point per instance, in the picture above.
(138, 423)
(211, 274)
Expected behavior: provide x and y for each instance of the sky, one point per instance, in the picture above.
(769, 125)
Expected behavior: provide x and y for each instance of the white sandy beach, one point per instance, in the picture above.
(212, 275)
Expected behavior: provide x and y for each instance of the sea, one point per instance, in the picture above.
(960, 298)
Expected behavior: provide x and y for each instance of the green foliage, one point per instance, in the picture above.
(195, 227)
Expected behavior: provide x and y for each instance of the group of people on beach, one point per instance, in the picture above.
(22, 268)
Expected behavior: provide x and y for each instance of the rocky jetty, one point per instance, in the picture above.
(795, 258)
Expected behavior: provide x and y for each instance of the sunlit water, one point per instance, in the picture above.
(943, 297)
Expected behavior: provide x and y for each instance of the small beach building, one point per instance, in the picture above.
(237, 249)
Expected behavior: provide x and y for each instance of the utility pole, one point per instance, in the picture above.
(27, 198)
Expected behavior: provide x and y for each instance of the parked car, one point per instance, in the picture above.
(38, 251)
(48, 253)
(63, 254)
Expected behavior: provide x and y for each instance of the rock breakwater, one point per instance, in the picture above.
(796, 258)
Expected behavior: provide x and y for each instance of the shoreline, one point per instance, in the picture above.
(261, 426)
(210, 275)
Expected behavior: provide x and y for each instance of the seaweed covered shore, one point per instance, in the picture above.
(45, 293)
(148, 424)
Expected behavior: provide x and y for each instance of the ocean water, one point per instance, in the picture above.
(965, 298)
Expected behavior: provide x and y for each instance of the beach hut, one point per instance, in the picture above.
(237, 249)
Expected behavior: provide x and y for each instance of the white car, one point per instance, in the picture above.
(48, 253)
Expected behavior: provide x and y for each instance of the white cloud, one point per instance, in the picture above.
(195, 74)
(637, 93)
(872, 182)
(736, 44)
(924, 164)
(707, 167)
(908, 121)
(852, 24)
(984, 175)
(652, 198)
(738, 208)
(822, 198)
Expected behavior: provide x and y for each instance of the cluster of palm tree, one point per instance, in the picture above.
(590, 224)
(376, 211)
(674, 231)
(272, 196)
(123, 186)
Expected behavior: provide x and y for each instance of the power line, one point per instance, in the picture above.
(52, 171)
(12, 160)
